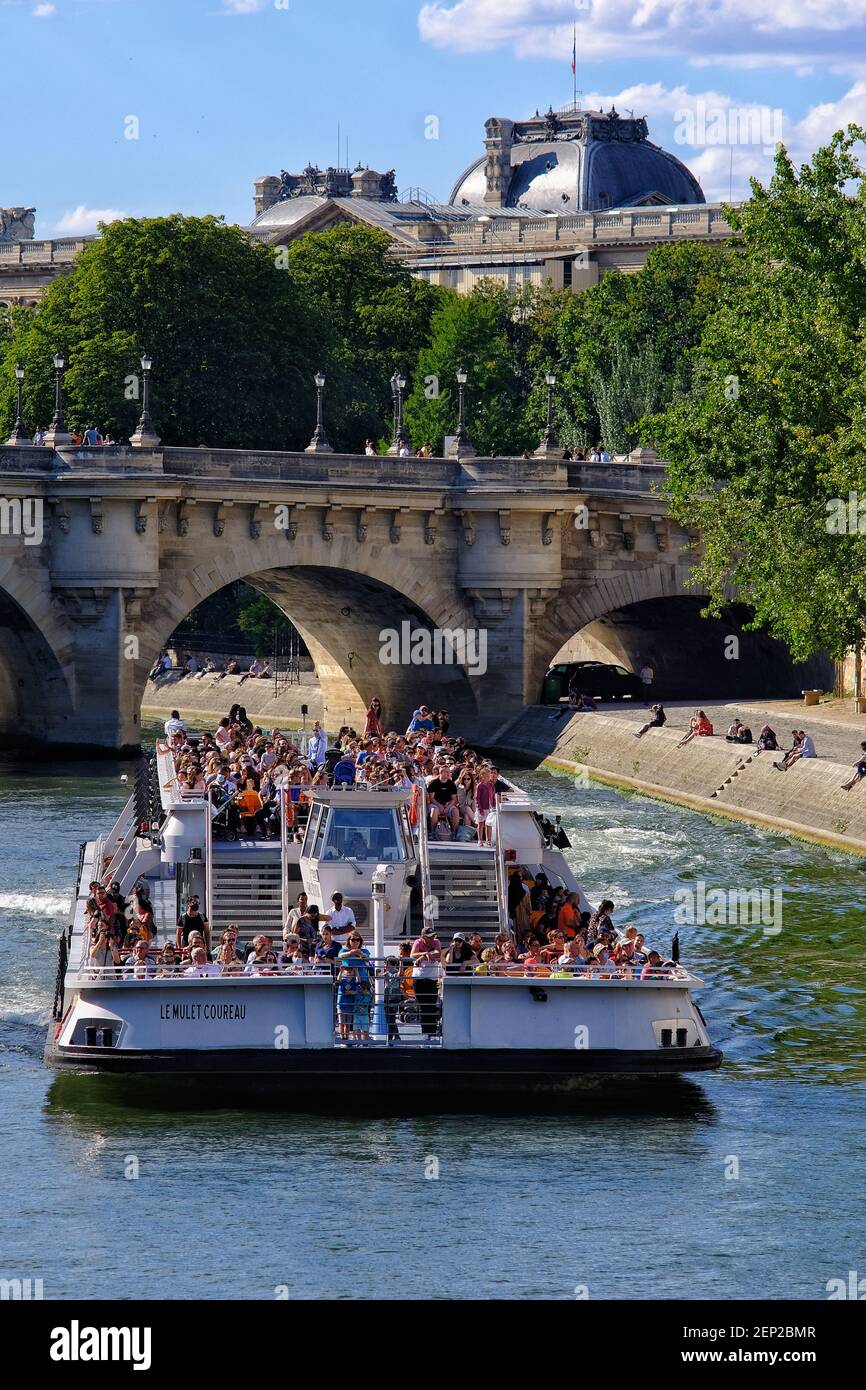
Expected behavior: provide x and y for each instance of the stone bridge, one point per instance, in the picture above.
(104, 552)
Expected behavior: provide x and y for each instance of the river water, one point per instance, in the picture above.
(746, 1183)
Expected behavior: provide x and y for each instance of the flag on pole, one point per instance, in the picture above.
(574, 53)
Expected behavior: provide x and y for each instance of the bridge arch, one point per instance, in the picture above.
(629, 620)
(35, 697)
(341, 599)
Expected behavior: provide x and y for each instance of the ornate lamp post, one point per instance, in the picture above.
(319, 442)
(461, 446)
(145, 436)
(19, 434)
(401, 438)
(58, 437)
(549, 447)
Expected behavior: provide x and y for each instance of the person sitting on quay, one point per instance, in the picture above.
(699, 727)
(767, 741)
(658, 721)
(859, 770)
(802, 747)
(738, 733)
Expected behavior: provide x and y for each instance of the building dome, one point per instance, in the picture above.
(574, 161)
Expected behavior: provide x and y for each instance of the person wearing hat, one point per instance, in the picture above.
(460, 957)
(426, 970)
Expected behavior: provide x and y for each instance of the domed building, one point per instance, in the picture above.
(560, 198)
(574, 161)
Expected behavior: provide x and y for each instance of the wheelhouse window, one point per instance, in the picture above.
(366, 834)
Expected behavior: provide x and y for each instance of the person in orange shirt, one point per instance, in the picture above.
(249, 804)
(568, 920)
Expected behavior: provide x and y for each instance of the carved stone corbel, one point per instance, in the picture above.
(548, 527)
(365, 516)
(431, 526)
(61, 515)
(661, 527)
(538, 601)
(628, 530)
(505, 527)
(596, 539)
(397, 524)
(219, 518)
(492, 603)
(329, 522)
(256, 509)
(183, 510)
(97, 518)
(467, 519)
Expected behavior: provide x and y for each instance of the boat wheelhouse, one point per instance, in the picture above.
(496, 1028)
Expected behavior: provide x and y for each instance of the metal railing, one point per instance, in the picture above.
(427, 913)
(501, 871)
(156, 972)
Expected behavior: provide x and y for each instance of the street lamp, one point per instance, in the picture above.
(549, 447)
(145, 436)
(401, 438)
(319, 442)
(58, 436)
(461, 446)
(19, 434)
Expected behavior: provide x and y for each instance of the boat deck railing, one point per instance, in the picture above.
(155, 973)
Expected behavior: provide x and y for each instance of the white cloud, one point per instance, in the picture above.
(734, 33)
(44, 11)
(243, 6)
(82, 221)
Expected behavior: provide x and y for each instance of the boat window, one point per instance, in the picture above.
(320, 834)
(312, 826)
(363, 833)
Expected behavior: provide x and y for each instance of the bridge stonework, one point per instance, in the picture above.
(527, 551)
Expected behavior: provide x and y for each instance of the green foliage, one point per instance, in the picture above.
(774, 426)
(482, 332)
(379, 316)
(262, 621)
(230, 335)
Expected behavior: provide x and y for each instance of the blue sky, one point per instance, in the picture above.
(227, 90)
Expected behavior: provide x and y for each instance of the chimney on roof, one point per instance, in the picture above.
(498, 170)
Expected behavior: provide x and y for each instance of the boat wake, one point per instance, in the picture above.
(35, 904)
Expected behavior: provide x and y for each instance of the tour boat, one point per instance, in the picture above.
(541, 1031)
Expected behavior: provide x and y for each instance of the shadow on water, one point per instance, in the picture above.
(108, 1100)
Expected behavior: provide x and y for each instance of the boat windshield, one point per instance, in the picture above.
(363, 833)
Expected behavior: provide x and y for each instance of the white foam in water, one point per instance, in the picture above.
(39, 904)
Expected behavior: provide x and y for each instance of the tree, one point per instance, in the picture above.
(380, 317)
(262, 621)
(769, 442)
(233, 337)
(478, 331)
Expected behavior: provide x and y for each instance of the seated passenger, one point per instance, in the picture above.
(459, 957)
(141, 963)
(293, 957)
(652, 967)
(262, 961)
(104, 952)
(168, 962)
(201, 965)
